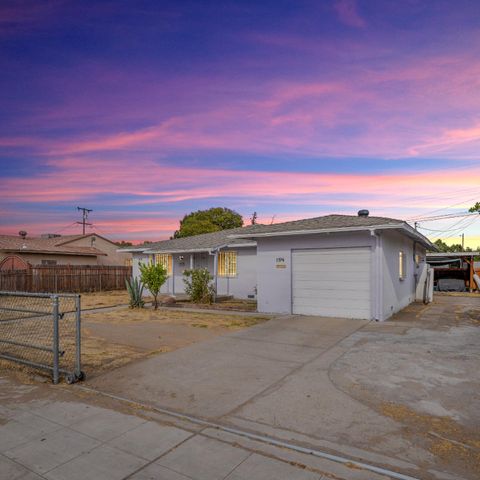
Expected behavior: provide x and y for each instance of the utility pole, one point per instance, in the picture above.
(463, 242)
(85, 212)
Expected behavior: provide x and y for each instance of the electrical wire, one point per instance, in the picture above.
(64, 228)
(416, 217)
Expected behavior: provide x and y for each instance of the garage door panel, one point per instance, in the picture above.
(359, 296)
(353, 277)
(333, 312)
(321, 287)
(332, 282)
(319, 270)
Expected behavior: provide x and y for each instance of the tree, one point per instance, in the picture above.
(208, 221)
(123, 244)
(475, 208)
(153, 276)
(253, 219)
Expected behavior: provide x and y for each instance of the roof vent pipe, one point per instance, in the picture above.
(363, 213)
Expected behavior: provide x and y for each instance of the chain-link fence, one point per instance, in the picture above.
(42, 330)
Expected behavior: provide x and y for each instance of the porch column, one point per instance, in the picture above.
(173, 275)
(215, 276)
(191, 261)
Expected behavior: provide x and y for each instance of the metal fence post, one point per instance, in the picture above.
(78, 339)
(55, 339)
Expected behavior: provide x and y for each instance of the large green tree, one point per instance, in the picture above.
(207, 221)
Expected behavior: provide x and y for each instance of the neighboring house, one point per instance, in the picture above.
(338, 265)
(231, 262)
(17, 252)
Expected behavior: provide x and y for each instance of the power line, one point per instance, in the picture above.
(447, 207)
(64, 228)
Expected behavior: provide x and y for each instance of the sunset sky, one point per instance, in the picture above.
(146, 110)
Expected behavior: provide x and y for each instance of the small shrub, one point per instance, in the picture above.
(153, 276)
(135, 291)
(198, 285)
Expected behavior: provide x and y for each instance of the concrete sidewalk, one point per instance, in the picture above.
(49, 432)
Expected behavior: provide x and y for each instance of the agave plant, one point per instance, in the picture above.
(135, 291)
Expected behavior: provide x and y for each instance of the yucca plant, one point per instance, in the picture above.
(135, 291)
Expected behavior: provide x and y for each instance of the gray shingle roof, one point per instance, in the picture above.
(321, 223)
(205, 241)
(246, 235)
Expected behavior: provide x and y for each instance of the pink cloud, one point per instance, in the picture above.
(347, 12)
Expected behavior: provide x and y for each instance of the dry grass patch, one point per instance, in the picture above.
(446, 439)
(104, 299)
(178, 317)
(233, 304)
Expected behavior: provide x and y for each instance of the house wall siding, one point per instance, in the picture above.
(240, 286)
(397, 294)
(245, 282)
(275, 284)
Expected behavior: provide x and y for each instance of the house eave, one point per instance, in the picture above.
(201, 250)
(400, 226)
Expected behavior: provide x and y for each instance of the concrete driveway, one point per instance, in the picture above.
(402, 394)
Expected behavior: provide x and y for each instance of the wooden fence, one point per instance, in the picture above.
(65, 278)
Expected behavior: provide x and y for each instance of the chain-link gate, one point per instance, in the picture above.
(42, 330)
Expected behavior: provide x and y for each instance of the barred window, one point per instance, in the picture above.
(227, 264)
(164, 259)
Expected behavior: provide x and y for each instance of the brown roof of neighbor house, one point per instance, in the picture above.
(330, 223)
(48, 246)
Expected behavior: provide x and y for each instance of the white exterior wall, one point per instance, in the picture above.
(397, 294)
(275, 284)
(240, 286)
(389, 294)
(245, 282)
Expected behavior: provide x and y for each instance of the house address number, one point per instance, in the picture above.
(280, 262)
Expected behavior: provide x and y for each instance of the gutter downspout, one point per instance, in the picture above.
(378, 303)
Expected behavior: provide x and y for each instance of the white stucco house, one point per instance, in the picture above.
(353, 266)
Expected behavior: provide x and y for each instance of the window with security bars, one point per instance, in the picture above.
(164, 259)
(227, 264)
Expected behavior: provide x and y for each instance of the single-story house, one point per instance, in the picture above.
(338, 265)
(230, 261)
(17, 252)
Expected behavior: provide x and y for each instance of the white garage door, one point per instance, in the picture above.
(332, 282)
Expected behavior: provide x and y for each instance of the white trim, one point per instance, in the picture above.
(285, 233)
(201, 250)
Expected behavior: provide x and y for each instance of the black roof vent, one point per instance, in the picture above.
(363, 213)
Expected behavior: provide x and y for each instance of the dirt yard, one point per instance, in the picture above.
(114, 338)
(120, 297)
